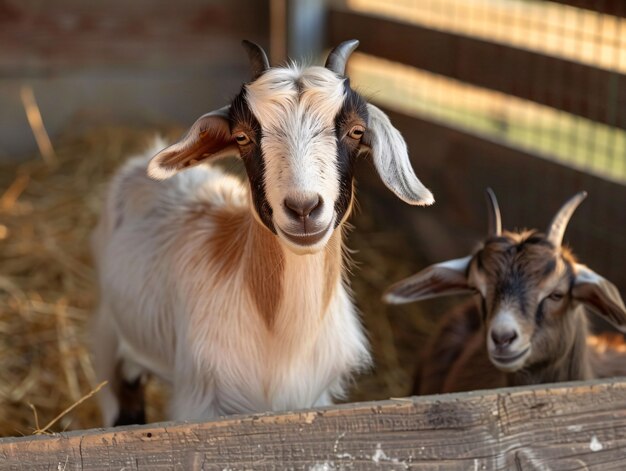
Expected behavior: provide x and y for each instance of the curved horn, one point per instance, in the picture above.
(338, 57)
(556, 229)
(493, 214)
(258, 58)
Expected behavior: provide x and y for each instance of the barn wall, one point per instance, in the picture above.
(123, 62)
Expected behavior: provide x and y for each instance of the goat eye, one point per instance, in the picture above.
(242, 138)
(356, 132)
(556, 296)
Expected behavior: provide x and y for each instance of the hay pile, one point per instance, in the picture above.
(47, 286)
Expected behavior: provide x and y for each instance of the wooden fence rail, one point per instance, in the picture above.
(608, 7)
(566, 426)
(547, 80)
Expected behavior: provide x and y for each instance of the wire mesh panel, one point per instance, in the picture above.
(537, 91)
(589, 134)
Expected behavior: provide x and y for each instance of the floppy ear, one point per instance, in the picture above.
(442, 279)
(391, 158)
(599, 295)
(208, 138)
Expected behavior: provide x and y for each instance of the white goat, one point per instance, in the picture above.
(530, 325)
(236, 293)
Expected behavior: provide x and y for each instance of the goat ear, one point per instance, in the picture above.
(442, 279)
(208, 138)
(599, 295)
(391, 158)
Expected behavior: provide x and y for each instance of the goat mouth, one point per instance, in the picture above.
(305, 239)
(508, 359)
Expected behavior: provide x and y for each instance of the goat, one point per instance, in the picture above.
(529, 326)
(234, 291)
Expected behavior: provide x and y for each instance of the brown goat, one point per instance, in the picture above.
(529, 326)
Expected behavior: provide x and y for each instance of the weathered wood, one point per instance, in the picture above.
(609, 7)
(522, 73)
(566, 426)
(41, 38)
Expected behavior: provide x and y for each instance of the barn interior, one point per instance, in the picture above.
(527, 97)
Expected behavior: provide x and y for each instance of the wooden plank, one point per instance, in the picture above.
(139, 62)
(565, 426)
(42, 38)
(583, 90)
(608, 7)
(457, 166)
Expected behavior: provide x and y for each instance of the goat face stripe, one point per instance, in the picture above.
(353, 111)
(243, 120)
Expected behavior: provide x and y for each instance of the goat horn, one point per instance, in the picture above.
(556, 229)
(338, 57)
(493, 214)
(258, 58)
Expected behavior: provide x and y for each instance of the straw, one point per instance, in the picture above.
(40, 431)
(47, 288)
(36, 124)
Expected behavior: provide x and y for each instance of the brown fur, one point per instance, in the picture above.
(456, 360)
(228, 240)
(263, 268)
(444, 346)
(526, 255)
(264, 271)
(456, 357)
(240, 243)
(472, 363)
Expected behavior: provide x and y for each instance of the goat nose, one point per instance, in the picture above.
(301, 207)
(503, 338)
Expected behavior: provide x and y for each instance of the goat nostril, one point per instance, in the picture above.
(503, 338)
(317, 208)
(301, 208)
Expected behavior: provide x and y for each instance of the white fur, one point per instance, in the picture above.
(299, 144)
(391, 159)
(177, 319)
(506, 320)
(585, 274)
